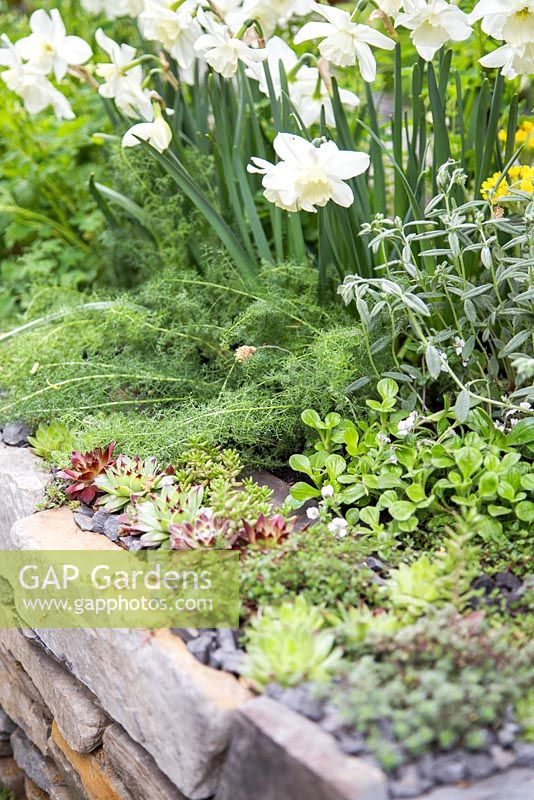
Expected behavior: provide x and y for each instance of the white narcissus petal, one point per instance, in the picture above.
(313, 30)
(42, 24)
(74, 50)
(367, 61)
(292, 148)
(341, 193)
(157, 133)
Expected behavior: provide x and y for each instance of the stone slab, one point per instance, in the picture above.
(515, 784)
(61, 793)
(36, 767)
(276, 753)
(12, 777)
(136, 768)
(54, 530)
(75, 710)
(95, 775)
(23, 703)
(23, 479)
(68, 774)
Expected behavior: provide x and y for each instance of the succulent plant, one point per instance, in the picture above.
(289, 645)
(86, 468)
(265, 528)
(130, 479)
(51, 439)
(206, 530)
(154, 516)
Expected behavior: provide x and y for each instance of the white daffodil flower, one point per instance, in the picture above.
(176, 29)
(307, 176)
(433, 24)
(511, 20)
(157, 133)
(345, 42)
(271, 14)
(48, 48)
(221, 50)
(34, 88)
(513, 60)
(307, 90)
(121, 84)
(113, 9)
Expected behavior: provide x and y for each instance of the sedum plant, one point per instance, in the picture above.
(84, 470)
(441, 682)
(51, 440)
(289, 645)
(129, 479)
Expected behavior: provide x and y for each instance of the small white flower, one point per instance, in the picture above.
(327, 491)
(405, 425)
(123, 86)
(433, 24)
(525, 405)
(176, 29)
(157, 133)
(338, 526)
(345, 42)
(444, 361)
(458, 345)
(48, 48)
(313, 513)
(307, 176)
(513, 421)
(221, 50)
(393, 460)
(382, 437)
(499, 426)
(390, 7)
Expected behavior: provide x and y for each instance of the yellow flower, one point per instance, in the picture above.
(524, 135)
(518, 178)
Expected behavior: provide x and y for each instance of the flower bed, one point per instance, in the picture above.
(267, 283)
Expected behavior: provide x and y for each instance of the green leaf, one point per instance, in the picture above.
(525, 511)
(461, 407)
(433, 361)
(488, 484)
(301, 463)
(402, 510)
(303, 491)
(522, 432)
(130, 208)
(387, 388)
(468, 460)
(312, 419)
(335, 466)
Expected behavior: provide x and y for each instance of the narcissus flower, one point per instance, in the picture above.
(514, 60)
(309, 175)
(114, 8)
(433, 24)
(48, 48)
(122, 84)
(345, 42)
(511, 20)
(221, 50)
(157, 133)
(34, 88)
(175, 28)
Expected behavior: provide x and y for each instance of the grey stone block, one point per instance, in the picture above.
(7, 726)
(136, 768)
(37, 768)
(275, 753)
(23, 480)
(75, 710)
(23, 703)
